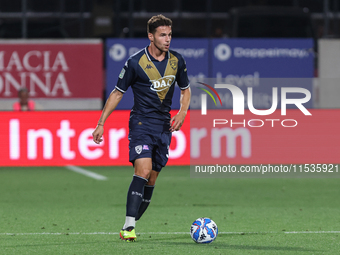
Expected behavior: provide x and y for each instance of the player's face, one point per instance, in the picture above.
(161, 38)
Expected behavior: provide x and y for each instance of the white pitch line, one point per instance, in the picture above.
(172, 233)
(86, 173)
(313, 232)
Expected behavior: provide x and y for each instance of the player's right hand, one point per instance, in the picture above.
(98, 134)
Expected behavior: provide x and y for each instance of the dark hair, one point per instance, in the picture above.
(157, 21)
(22, 90)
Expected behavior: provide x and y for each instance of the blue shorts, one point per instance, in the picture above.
(149, 141)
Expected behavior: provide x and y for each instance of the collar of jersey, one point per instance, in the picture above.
(151, 58)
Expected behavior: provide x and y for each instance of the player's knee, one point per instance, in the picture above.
(143, 167)
(152, 178)
(143, 172)
(151, 182)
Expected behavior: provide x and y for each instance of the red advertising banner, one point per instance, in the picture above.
(65, 138)
(52, 68)
(223, 138)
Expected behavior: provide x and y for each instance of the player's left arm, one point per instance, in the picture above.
(176, 122)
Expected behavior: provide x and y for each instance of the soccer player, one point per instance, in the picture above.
(151, 73)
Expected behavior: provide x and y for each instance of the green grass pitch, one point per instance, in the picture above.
(52, 210)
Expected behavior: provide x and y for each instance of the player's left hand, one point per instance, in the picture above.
(176, 121)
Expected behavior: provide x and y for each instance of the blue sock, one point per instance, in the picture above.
(146, 200)
(135, 196)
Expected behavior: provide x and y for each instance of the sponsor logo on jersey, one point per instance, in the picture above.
(148, 67)
(162, 83)
(145, 147)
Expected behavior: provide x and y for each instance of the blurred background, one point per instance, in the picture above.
(60, 55)
(201, 18)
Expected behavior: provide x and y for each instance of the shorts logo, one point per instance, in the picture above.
(145, 147)
(138, 149)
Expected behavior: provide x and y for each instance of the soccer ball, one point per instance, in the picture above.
(203, 230)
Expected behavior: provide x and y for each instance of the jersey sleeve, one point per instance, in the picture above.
(126, 77)
(182, 75)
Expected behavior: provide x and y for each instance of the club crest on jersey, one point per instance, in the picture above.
(139, 149)
(173, 64)
(162, 83)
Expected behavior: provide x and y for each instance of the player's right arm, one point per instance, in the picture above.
(126, 77)
(109, 107)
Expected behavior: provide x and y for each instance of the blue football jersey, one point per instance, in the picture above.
(153, 83)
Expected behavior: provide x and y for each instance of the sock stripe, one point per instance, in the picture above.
(141, 177)
(149, 186)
